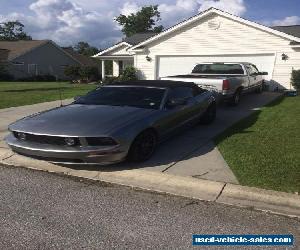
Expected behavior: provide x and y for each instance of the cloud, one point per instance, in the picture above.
(290, 20)
(236, 7)
(172, 13)
(129, 8)
(69, 21)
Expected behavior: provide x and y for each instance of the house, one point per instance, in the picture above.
(39, 57)
(84, 60)
(3, 56)
(119, 53)
(211, 36)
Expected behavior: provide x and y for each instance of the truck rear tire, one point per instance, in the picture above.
(235, 100)
(259, 90)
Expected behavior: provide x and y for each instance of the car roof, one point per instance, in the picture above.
(155, 83)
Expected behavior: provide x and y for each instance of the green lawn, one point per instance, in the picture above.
(14, 94)
(263, 150)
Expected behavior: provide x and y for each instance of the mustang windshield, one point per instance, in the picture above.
(134, 96)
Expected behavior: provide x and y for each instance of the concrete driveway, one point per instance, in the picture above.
(191, 153)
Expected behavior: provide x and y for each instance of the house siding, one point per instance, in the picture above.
(231, 38)
(48, 58)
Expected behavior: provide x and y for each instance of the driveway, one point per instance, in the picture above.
(191, 153)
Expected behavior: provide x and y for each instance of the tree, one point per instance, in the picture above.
(84, 48)
(142, 21)
(13, 31)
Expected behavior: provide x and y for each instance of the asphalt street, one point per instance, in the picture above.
(39, 210)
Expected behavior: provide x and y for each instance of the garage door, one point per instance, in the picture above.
(174, 65)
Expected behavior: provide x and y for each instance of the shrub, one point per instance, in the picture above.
(89, 73)
(4, 75)
(129, 74)
(110, 79)
(72, 71)
(296, 79)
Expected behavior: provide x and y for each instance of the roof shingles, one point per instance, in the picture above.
(17, 48)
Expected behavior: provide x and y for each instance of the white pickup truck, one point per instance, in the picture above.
(228, 80)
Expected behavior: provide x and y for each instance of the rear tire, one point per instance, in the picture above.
(235, 100)
(259, 90)
(209, 115)
(143, 146)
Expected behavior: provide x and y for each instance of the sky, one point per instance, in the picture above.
(69, 21)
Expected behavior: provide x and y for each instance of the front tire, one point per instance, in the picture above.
(210, 114)
(143, 146)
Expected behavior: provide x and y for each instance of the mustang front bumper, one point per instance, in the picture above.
(68, 155)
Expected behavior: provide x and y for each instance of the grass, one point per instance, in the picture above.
(13, 94)
(263, 150)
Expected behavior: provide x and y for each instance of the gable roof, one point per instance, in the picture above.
(18, 48)
(139, 37)
(84, 60)
(129, 41)
(221, 13)
(293, 30)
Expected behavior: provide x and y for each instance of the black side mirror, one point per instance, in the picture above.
(176, 102)
(263, 73)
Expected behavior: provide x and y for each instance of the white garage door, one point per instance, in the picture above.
(174, 65)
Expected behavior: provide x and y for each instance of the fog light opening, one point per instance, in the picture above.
(70, 141)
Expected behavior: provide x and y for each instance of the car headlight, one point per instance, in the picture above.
(70, 141)
(101, 141)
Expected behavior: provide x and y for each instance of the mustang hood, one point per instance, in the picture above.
(80, 120)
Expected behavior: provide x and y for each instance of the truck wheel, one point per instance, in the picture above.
(235, 100)
(209, 115)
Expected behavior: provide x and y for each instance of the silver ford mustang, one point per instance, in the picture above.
(112, 123)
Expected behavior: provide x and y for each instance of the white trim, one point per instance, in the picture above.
(116, 57)
(112, 48)
(221, 13)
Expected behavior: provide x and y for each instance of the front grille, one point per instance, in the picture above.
(45, 139)
(53, 159)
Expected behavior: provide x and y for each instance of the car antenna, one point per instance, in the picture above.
(60, 94)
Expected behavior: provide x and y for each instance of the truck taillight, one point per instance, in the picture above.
(226, 85)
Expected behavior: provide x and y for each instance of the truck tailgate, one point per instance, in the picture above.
(214, 84)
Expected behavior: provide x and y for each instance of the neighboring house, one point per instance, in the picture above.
(84, 60)
(212, 36)
(38, 57)
(3, 56)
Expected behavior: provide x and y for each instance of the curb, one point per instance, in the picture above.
(189, 187)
